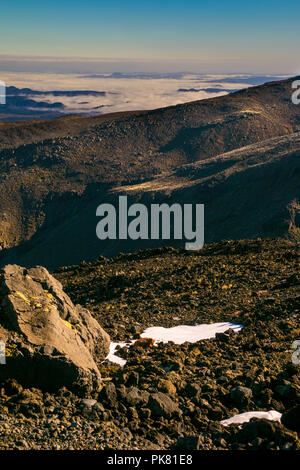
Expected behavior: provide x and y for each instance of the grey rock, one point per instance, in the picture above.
(88, 402)
(108, 394)
(240, 395)
(257, 429)
(291, 418)
(288, 391)
(193, 390)
(161, 404)
(133, 396)
(188, 443)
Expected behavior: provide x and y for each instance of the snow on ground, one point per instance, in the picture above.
(182, 333)
(245, 417)
(112, 357)
(178, 334)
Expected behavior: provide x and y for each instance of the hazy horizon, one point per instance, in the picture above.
(173, 36)
(70, 64)
(142, 55)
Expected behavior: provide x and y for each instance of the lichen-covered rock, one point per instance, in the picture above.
(50, 343)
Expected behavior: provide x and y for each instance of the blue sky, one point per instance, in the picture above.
(260, 35)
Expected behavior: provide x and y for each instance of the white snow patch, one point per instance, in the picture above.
(178, 334)
(112, 357)
(182, 333)
(245, 417)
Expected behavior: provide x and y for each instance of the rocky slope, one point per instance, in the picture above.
(174, 396)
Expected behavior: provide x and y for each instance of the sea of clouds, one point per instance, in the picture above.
(128, 91)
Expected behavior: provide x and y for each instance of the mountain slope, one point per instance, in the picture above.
(54, 172)
(245, 193)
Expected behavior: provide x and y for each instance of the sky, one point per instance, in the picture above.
(192, 35)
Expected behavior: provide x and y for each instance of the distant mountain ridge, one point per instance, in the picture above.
(25, 103)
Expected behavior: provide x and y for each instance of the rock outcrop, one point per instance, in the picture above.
(50, 343)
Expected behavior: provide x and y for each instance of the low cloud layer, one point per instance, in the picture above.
(106, 93)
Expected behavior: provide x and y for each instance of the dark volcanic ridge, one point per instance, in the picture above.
(238, 154)
(241, 190)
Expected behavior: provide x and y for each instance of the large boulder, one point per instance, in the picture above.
(50, 342)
